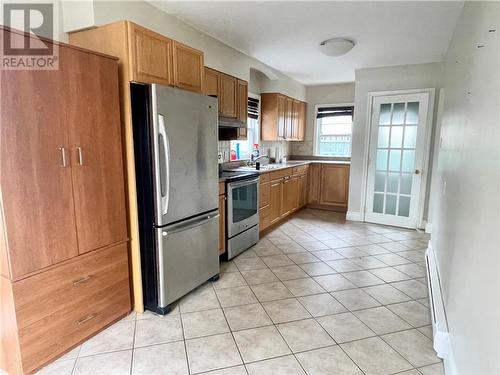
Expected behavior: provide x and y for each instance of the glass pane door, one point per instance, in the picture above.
(395, 162)
(397, 145)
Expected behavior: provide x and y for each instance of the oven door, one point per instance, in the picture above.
(242, 205)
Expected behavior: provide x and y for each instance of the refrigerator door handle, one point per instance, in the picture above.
(189, 224)
(164, 169)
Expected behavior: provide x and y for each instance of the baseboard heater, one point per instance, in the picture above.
(439, 322)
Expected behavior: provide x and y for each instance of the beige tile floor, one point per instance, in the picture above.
(317, 296)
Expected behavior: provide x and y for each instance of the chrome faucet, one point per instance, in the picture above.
(258, 158)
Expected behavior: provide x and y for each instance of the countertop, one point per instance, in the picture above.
(288, 164)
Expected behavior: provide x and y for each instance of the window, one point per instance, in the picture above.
(334, 131)
(244, 148)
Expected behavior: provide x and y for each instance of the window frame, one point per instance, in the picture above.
(256, 131)
(316, 131)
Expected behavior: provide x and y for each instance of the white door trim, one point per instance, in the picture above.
(366, 151)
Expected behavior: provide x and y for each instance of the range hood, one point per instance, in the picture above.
(226, 122)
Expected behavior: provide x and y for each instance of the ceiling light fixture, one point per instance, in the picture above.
(336, 46)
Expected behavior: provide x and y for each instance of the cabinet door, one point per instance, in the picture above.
(151, 56)
(313, 183)
(188, 67)
(222, 224)
(211, 85)
(288, 118)
(228, 90)
(35, 172)
(242, 95)
(334, 186)
(295, 120)
(276, 201)
(301, 121)
(302, 190)
(264, 194)
(281, 117)
(290, 195)
(96, 152)
(242, 100)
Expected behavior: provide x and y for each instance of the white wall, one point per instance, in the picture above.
(466, 216)
(404, 77)
(217, 55)
(315, 95)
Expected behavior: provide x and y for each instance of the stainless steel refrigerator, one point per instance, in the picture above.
(175, 142)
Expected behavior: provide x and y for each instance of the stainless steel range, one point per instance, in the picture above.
(242, 207)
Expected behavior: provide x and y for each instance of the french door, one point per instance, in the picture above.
(396, 160)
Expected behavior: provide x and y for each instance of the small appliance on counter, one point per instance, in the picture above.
(242, 208)
(175, 142)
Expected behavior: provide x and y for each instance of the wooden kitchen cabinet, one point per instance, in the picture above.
(228, 92)
(289, 123)
(314, 183)
(151, 55)
(37, 192)
(188, 67)
(301, 121)
(276, 196)
(95, 151)
(283, 118)
(63, 233)
(242, 99)
(211, 84)
(329, 186)
(290, 195)
(334, 188)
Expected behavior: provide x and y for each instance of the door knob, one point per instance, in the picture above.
(417, 171)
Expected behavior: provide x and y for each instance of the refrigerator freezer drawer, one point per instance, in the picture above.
(188, 256)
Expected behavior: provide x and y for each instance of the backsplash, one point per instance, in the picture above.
(302, 148)
(266, 148)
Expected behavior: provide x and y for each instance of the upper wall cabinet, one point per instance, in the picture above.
(283, 118)
(232, 94)
(151, 56)
(188, 67)
(242, 115)
(211, 84)
(227, 100)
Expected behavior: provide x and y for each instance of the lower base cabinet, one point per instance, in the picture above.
(318, 185)
(282, 193)
(57, 309)
(332, 187)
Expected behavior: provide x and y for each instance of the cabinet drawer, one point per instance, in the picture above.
(265, 177)
(39, 296)
(300, 169)
(275, 175)
(265, 194)
(46, 339)
(264, 217)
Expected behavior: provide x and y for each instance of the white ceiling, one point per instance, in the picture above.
(285, 35)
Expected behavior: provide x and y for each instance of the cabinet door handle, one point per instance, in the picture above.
(64, 163)
(80, 155)
(81, 281)
(86, 319)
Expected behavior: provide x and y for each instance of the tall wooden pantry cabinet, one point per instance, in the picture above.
(63, 235)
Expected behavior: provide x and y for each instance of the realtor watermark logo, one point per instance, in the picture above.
(31, 51)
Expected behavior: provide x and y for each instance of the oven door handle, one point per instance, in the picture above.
(237, 184)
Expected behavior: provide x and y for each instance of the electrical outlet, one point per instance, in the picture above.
(444, 188)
